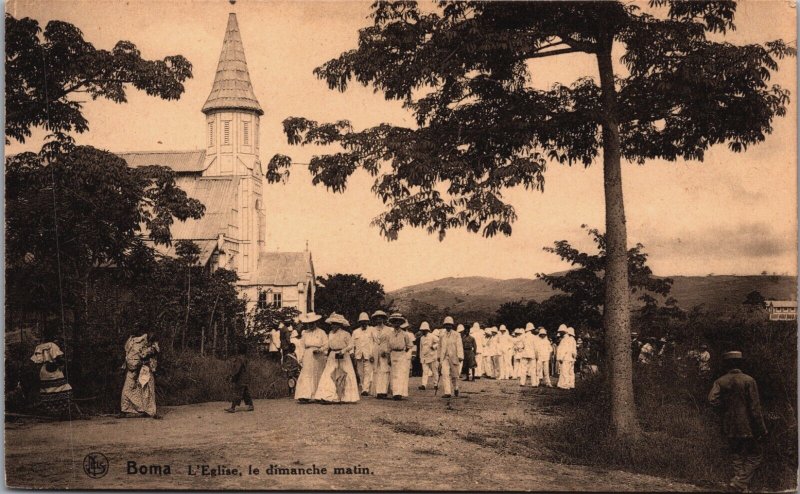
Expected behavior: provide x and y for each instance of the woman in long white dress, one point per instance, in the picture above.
(340, 346)
(399, 343)
(315, 344)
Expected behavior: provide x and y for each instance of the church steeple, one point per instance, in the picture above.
(232, 89)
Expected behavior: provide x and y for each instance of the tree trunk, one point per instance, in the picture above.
(616, 310)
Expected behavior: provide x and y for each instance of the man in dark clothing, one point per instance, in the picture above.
(240, 377)
(736, 394)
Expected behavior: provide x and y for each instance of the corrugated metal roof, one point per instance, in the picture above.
(283, 268)
(219, 196)
(232, 89)
(180, 161)
(206, 249)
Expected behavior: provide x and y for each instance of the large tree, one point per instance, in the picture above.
(462, 69)
(47, 69)
(348, 294)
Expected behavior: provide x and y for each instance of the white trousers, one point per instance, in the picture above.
(488, 368)
(478, 364)
(566, 374)
(517, 367)
(506, 369)
(430, 370)
(524, 366)
(543, 372)
(365, 370)
(449, 377)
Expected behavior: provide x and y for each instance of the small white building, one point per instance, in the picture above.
(782, 310)
(227, 177)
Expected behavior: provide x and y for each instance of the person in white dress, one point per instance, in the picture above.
(381, 371)
(528, 360)
(480, 342)
(315, 345)
(506, 346)
(566, 353)
(519, 347)
(398, 343)
(340, 346)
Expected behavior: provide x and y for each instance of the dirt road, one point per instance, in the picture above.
(424, 443)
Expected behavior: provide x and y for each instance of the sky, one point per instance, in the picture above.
(731, 214)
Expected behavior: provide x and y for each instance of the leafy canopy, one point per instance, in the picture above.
(349, 295)
(46, 69)
(462, 69)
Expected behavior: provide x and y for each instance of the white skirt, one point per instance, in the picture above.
(399, 373)
(326, 390)
(313, 365)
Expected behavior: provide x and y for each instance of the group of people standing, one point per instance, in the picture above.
(375, 359)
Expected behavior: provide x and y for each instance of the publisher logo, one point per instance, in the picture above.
(95, 465)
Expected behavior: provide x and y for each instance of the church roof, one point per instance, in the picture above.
(283, 268)
(219, 196)
(180, 161)
(232, 89)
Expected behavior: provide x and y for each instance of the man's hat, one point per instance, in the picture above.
(460, 328)
(518, 331)
(363, 317)
(542, 331)
(731, 355)
(529, 327)
(378, 313)
(562, 328)
(405, 325)
(424, 326)
(396, 316)
(448, 320)
(503, 327)
(571, 331)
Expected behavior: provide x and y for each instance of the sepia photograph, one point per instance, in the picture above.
(399, 245)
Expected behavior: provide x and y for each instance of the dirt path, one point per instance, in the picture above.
(425, 443)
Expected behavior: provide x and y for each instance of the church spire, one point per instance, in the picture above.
(232, 89)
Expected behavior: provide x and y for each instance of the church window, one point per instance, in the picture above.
(210, 134)
(226, 132)
(246, 133)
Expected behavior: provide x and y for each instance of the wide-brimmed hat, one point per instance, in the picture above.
(309, 317)
(378, 313)
(732, 355)
(396, 316)
(460, 328)
(424, 326)
(542, 331)
(529, 326)
(519, 331)
(405, 325)
(448, 320)
(363, 317)
(503, 327)
(562, 328)
(335, 318)
(571, 331)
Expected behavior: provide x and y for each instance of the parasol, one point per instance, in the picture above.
(339, 377)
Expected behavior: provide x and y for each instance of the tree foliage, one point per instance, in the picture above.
(462, 70)
(46, 69)
(584, 286)
(349, 295)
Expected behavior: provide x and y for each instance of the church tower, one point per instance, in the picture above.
(232, 126)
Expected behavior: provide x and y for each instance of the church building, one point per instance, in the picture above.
(227, 177)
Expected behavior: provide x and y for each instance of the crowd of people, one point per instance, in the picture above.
(376, 357)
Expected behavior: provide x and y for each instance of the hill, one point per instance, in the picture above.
(481, 296)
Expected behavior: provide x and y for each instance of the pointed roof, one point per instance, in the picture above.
(232, 89)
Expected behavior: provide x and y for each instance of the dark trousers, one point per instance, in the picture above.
(242, 394)
(745, 459)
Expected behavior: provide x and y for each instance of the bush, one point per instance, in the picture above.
(682, 437)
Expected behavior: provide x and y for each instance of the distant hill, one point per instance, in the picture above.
(482, 296)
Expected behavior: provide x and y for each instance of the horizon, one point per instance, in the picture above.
(723, 215)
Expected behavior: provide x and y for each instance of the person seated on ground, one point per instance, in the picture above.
(55, 393)
(139, 391)
(736, 394)
(240, 378)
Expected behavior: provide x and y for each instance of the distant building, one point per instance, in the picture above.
(227, 178)
(782, 310)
